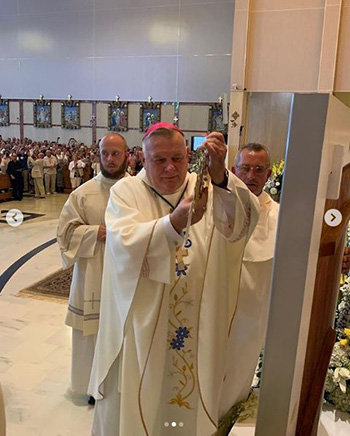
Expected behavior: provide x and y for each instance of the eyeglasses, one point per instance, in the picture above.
(256, 170)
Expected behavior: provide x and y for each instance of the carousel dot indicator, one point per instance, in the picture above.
(173, 424)
(181, 424)
(166, 424)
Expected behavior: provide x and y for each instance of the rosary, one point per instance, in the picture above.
(200, 167)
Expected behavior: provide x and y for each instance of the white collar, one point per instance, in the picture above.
(107, 180)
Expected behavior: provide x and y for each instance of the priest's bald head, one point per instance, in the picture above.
(165, 157)
(113, 155)
(253, 167)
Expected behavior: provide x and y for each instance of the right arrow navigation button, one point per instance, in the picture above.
(333, 217)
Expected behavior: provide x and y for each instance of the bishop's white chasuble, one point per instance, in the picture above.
(165, 325)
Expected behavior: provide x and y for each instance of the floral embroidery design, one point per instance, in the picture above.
(180, 269)
(177, 343)
(179, 333)
(182, 332)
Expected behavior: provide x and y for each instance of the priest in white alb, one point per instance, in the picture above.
(169, 301)
(253, 167)
(81, 237)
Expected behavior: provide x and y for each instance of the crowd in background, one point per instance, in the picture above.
(38, 166)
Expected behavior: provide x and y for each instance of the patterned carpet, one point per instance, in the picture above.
(56, 286)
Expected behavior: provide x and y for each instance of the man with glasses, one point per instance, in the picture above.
(81, 236)
(252, 166)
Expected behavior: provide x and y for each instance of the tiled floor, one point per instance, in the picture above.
(35, 343)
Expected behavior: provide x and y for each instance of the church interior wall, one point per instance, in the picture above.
(13, 129)
(291, 45)
(27, 112)
(14, 112)
(85, 114)
(56, 113)
(284, 45)
(97, 49)
(167, 114)
(102, 114)
(267, 121)
(342, 76)
(10, 132)
(193, 119)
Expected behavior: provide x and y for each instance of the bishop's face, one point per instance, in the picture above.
(165, 161)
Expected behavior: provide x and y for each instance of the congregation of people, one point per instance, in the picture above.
(39, 168)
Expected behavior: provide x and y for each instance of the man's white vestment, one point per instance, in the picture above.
(77, 231)
(165, 327)
(249, 325)
(78, 226)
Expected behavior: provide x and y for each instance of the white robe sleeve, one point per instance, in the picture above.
(174, 239)
(75, 238)
(235, 209)
(131, 236)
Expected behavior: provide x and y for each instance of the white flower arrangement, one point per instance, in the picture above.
(337, 386)
(274, 184)
(340, 376)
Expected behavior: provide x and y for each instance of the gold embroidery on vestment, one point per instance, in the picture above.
(182, 361)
